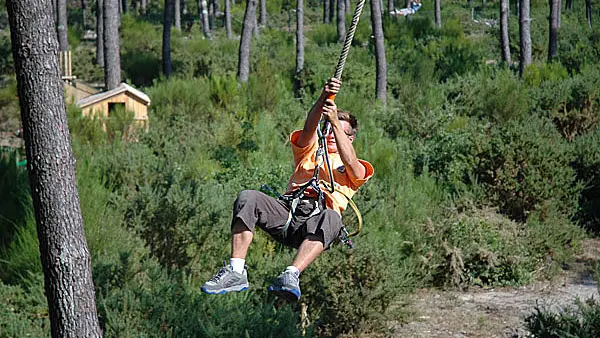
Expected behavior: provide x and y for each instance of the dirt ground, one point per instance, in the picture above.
(497, 312)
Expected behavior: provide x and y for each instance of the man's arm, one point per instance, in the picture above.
(354, 168)
(311, 124)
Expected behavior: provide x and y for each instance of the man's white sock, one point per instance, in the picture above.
(237, 264)
(293, 269)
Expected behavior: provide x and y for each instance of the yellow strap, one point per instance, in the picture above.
(352, 205)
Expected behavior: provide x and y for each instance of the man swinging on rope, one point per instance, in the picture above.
(310, 226)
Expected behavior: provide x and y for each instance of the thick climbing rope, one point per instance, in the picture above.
(348, 40)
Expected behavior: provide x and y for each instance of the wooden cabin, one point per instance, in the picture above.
(124, 96)
(77, 90)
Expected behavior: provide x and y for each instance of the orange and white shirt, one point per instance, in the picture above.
(304, 168)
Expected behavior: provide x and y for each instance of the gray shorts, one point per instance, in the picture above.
(255, 208)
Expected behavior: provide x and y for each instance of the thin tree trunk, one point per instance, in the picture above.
(326, 4)
(99, 33)
(332, 11)
(438, 13)
(177, 12)
(568, 4)
(144, 6)
(55, 11)
(112, 54)
(380, 64)
(124, 6)
(518, 7)
(62, 28)
(525, 36)
(84, 14)
(504, 36)
(228, 19)
(391, 7)
(64, 253)
(255, 31)
(299, 37)
(559, 12)
(166, 41)
(553, 29)
(263, 13)
(341, 20)
(203, 9)
(244, 52)
(588, 12)
(347, 6)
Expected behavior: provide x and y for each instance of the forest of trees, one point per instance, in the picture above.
(482, 125)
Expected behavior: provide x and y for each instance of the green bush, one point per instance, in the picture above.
(24, 310)
(587, 167)
(583, 320)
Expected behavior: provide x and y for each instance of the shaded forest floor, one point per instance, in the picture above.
(498, 312)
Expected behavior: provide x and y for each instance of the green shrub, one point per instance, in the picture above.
(24, 310)
(587, 167)
(583, 320)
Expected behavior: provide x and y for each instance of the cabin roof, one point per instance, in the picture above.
(123, 87)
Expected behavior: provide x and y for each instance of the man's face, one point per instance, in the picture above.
(331, 144)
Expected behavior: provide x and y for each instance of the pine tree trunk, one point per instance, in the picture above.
(569, 4)
(553, 29)
(228, 19)
(588, 12)
(518, 7)
(326, 4)
(112, 54)
(64, 252)
(341, 20)
(332, 11)
(381, 77)
(504, 36)
(255, 30)
(263, 13)
(203, 9)
(244, 52)
(177, 13)
(62, 28)
(559, 12)
(99, 33)
(347, 6)
(84, 6)
(166, 41)
(299, 36)
(525, 36)
(144, 6)
(391, 7)
(124, 7)
(438, 13)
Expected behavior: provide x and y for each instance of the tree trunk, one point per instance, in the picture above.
(166, 41)
(203, 9)
(62, 28)
(124, 7)
(553, 29)
(381, 77)
(177, 12)
(299, 36)
(504, 36)
(326, 4)
(63, 249)
(525, 36)
(391, 7)
(518, 7)
(112, 54)
(347, 6)
(255, 31)
(559, 12)
(84, 14)
(332, 10)
(99, 33)
(228, 19)
(588, 12)
(438, 13)
(144, 6)
(341, 20)
(263, 13)
(568, 4)
(244, 53)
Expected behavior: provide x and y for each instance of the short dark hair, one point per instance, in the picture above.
(348, 117)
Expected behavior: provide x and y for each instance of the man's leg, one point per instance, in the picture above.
(308, 251)
(241, 237)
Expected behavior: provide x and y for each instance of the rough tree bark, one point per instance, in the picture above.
(299, 37)
(244, 52)
(177, 13)
(524, 36)
(112, 54)
(203, 9)
(166, 38)
(341, 20)
(228, 19)
(263, 13)
(99, 33)
(63, 249)
(381, 77)
(553, 29)
(438, 13)
(504, 36)
(62, 28)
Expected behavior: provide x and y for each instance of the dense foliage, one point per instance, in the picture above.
(482, 178)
